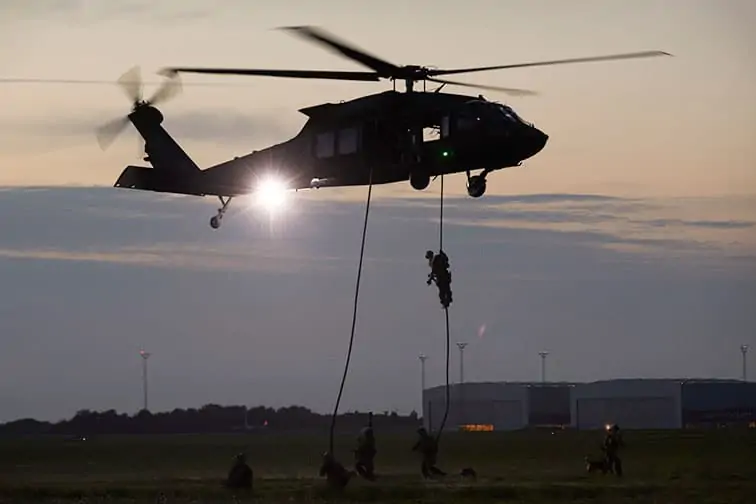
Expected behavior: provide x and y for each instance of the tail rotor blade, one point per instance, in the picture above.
(167, 90)
(107, 133)
(131, 83)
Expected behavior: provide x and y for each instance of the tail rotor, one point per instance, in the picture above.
(132, 85)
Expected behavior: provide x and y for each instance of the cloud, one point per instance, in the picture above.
(729, 224)
(96, 11)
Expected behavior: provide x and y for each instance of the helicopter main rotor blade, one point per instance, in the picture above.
(108, 132)
(510, 91)
(383, 67)
(644, 54)
(296, 74)
(131, 83)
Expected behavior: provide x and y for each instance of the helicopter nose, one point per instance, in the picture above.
(534, 142)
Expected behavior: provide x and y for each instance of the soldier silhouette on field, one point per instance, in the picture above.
(336, 475)
(365, 452)
(612, 443)
(428, 448)
(240, 475)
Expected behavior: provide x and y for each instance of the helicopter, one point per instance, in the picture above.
(382, 138)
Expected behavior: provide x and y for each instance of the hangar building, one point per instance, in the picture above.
(663, 404)
(631, 403)
(497, 406)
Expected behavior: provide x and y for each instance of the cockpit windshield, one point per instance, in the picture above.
(493, 111)
(509, 113)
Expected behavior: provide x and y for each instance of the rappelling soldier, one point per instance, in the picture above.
(240, 474)
(336, 474)
(612, 443)
(428, 448)
(365, 452)
(439, 264)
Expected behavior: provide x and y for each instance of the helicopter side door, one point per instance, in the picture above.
(338, 153)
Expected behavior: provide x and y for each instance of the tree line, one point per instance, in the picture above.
(210, 418)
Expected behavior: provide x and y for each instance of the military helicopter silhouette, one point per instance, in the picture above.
(380, 138)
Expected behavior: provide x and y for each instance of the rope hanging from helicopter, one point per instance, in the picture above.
(446, 316)
(354, 316)
(445, 303)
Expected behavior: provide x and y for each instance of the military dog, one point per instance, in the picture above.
(593, 465)
(468, 473)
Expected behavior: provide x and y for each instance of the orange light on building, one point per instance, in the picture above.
(476, 428)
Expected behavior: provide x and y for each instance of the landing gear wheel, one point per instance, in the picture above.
(215, 221)
(419, 180)
(476, 186)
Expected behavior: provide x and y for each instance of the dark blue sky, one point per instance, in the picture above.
(259, 312)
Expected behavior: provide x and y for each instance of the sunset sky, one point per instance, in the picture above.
(626, 248)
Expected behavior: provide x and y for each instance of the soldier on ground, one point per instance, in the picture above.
(365, 452)
(428, 448)
(240, 475)
(337, 476)
(612, 443)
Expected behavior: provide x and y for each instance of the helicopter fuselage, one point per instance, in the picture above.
(380, 139)
(396, 136)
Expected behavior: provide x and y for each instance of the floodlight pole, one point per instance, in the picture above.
(145, 356)
(461, 347)
(744, 351)
(543, 355)
(422, 358)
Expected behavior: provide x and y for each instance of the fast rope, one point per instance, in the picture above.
(446, 313)
(354, 314)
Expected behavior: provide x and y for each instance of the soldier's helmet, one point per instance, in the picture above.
(429, 255)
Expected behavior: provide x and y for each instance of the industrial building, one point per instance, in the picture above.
(497, 406)
(631, 403)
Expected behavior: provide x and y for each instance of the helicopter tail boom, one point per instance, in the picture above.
(143, 178)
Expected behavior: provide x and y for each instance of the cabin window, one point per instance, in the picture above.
(325, 144)
(466, 123)
(445, 127)
(348, 141)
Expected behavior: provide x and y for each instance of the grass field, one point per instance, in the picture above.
(522, 467)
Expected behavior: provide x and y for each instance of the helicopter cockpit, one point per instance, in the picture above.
(479, 114)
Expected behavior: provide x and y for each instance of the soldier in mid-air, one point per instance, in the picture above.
(439, 264)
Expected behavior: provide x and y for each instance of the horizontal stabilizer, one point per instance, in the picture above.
(149, 179)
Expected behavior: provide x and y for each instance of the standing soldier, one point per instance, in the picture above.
(612, 443)
(428, 448)
(365, 453)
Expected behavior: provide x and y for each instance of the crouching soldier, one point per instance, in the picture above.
(240, 475)
(336, 475)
